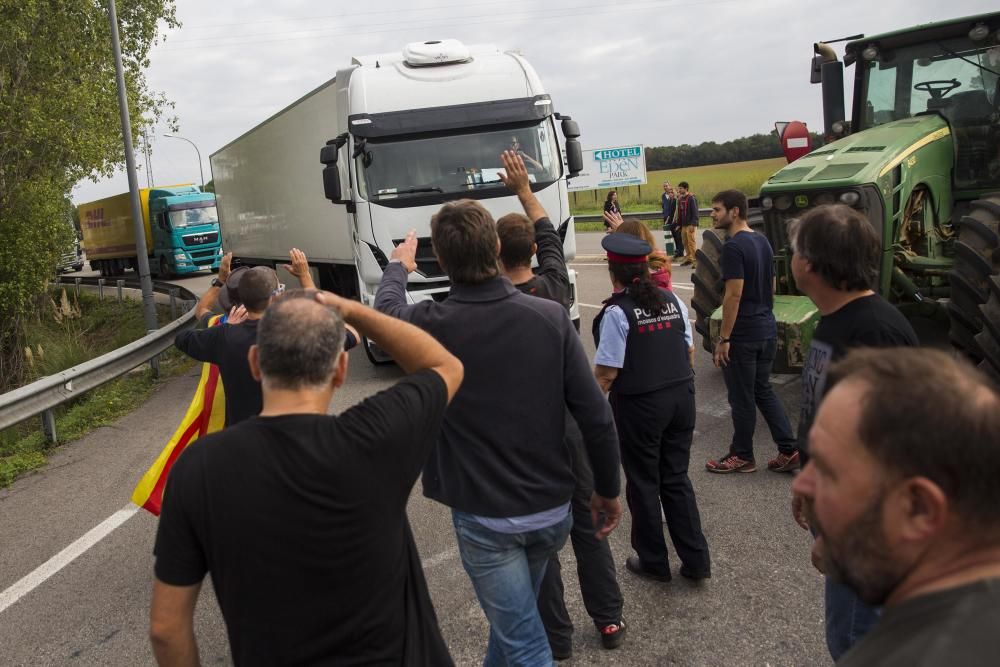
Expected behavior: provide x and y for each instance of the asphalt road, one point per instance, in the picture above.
(763, 605)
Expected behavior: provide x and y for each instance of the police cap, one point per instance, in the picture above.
(625, 248)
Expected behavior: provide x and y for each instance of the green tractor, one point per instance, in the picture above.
(920, 158)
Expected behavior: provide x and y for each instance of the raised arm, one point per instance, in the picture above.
(410, 347)
(391, 295)
(211, 295)
(300, 268)
(516, 180)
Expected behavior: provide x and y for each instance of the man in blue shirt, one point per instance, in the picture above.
(749, 338)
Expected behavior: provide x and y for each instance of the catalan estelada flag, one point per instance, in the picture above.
(206, 414)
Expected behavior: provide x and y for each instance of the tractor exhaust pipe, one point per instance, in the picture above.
(829, 71)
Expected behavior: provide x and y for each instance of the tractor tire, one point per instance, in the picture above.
(708, 284)
(974, 311)
(707, 277)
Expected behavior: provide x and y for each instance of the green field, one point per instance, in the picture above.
(705, 182)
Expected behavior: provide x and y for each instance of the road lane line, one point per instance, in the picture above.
(50, 567)
(439, 558)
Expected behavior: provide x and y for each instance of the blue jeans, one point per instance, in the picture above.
(848, 619)
(506, 570)
(748, 382)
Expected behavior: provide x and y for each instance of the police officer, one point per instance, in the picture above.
(644, 355)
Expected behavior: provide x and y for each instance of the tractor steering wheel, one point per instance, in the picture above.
(937, 89)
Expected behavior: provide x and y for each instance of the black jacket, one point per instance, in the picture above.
(501, 452)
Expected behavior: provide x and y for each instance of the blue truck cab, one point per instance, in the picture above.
(185, 230)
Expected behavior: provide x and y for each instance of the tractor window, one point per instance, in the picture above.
(957, 79)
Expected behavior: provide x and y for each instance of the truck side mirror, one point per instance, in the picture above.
(574, 151)
(331, 172)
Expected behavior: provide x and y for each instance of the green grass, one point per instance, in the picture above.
(705, 182)
(100, 327)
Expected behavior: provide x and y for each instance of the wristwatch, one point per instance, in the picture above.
(720, 340)
(217, 283)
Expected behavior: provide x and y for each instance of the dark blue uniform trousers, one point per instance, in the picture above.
(655, 430)
(595, 564)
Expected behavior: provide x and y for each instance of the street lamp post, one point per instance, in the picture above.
(200, 170)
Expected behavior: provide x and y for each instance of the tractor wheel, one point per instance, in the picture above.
(708, 285)
(975, 314)
(707, 277)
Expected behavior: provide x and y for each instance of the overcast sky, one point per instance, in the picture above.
(636, 71)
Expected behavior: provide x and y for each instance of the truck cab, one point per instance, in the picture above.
(398, 135)
(184, 223)
(920, 158)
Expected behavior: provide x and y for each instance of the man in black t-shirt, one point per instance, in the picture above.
(300, 517)
(748, 339)
(521, 237)
(901, 490)
(835, 263)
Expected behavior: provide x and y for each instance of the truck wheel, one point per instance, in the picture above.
(974, 313)
(375, 353)
(164, 270)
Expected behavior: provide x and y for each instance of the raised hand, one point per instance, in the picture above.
(516, 176)
(613, 218)
(406, 252)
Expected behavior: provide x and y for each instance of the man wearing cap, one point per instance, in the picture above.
(243, 293)
(644, 362)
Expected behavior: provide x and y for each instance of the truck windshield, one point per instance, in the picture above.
(455, 163)
(192, 217)
(956, 78)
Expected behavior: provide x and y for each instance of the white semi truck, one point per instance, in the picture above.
(399, 134)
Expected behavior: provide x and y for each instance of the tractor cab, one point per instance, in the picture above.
(951, 71)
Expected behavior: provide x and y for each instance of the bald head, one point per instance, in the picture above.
(299, 341)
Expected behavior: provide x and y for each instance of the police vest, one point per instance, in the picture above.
(656, 353)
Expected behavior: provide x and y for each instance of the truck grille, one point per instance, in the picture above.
(200, 239)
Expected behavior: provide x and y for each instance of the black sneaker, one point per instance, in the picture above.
(613, 634)
(634, 565)
(562, 654)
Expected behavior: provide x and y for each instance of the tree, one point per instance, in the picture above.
(59, 123)
(754, 147)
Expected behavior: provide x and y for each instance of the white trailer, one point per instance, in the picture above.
(400, 135)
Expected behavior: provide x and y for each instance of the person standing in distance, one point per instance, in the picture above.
(835, 262)
(643, 361)
(611, 206)
(669, 205)
(522, 236)
(748, 342)
(686, 217)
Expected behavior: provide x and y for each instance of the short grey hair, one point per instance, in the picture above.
(299, 341)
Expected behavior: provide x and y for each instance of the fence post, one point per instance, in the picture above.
(174, 293)
(120, 283)
(76, 282)
(49, 426)
(100, 289)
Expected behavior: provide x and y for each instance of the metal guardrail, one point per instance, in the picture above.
(641, 215)
(41, 396)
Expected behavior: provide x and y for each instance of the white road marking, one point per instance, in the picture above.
(439, 558)
(32, 580)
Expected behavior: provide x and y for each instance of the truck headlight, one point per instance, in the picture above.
(220, 251)
(180, 257)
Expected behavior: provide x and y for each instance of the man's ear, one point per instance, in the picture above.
(340, 370)
(253, 359)
(919, 509)
(534, 248)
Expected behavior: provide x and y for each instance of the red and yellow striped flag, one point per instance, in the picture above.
(206, 414)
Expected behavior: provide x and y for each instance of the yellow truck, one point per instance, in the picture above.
(182, 231)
